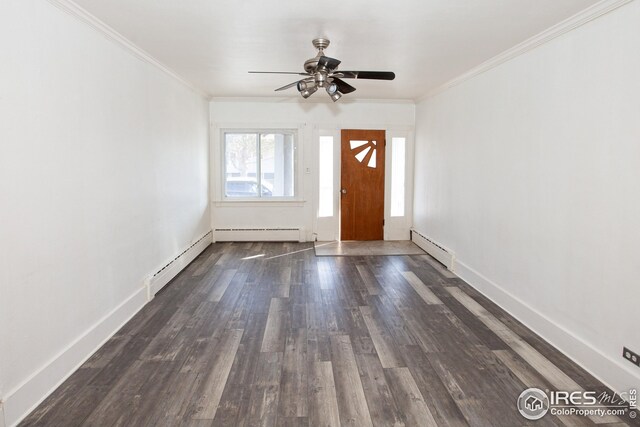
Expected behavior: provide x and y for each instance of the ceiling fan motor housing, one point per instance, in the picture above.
(321, 44)
(310, 64)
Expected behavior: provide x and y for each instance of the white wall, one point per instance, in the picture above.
(309, 117)
(530, 172)
(103, 178)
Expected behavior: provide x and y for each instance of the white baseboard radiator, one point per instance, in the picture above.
(170, 270)
(273, 234)
(445, 256)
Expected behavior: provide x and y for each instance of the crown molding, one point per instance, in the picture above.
(587, 15)
(298, 100)
(83, 15)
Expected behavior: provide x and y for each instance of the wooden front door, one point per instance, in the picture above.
(362, 185)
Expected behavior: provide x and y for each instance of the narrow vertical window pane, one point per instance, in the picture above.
(325, 207)
(397, 176)
(241, 155)
(276, 164)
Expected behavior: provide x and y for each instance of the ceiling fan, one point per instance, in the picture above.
(322, 72)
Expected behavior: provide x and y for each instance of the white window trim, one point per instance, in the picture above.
(296, 200)
(397, 227)
(327, 228)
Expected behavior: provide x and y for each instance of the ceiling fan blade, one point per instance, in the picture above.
(328, 63)
(279, 72)
(287, 86)
(343, 86)
(371, 75)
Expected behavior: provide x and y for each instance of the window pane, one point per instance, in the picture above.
(397, 176)
(241, 153)
(325, 207)
(277, 156)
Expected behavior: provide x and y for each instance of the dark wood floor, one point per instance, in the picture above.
(268, 334)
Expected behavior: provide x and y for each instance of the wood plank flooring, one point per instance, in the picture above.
(268, 334)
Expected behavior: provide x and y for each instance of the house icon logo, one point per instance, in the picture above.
(533, 403)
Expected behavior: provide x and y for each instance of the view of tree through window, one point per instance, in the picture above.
(259, 164)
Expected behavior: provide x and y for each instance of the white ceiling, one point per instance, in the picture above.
(213, 43)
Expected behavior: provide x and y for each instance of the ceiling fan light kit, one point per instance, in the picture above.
(322, 71)
(308, 92)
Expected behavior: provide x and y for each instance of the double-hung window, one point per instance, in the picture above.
(259, 164)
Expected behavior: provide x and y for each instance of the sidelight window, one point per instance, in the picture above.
(398, 146)
(325, 205)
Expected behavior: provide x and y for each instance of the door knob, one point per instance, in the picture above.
(343, 191)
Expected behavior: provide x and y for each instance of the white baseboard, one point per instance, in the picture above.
(28, 395)
(276, 234)
(443, 255)
(171, 269)
(607, 370)
(24, 398)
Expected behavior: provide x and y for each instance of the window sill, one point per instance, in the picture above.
(259, 203)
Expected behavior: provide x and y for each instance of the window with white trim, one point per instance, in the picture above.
(259, 165)
(325, 172)
(398, 158)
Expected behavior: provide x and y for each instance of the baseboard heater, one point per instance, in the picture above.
(436, 250)
(273, 234)
(170, 270)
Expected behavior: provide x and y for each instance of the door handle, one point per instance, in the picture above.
(343, 191)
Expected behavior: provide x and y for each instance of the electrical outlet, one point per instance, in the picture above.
(631, 356)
